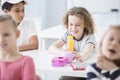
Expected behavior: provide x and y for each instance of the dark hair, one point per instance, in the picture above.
(8, 5)
(4, 18)
(83, 14)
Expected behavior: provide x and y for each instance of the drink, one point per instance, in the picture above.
(70, 43)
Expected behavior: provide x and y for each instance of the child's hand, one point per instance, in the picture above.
(105, 64)
(78, 57)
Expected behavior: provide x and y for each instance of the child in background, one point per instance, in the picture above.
(13, 66)
(79, 24)
(107, 66)
(28, 36)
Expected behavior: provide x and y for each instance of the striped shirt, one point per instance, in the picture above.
(95, 73)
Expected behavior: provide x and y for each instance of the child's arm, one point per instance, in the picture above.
(88, 45)
(33, 44)
(55, 47)
(86, 53)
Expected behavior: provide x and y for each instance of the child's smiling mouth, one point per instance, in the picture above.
(3, 45)
(74, 32)
(112, 51)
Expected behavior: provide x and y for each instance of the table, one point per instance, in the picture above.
(42, 60)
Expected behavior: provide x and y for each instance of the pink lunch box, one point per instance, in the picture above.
(59, 61)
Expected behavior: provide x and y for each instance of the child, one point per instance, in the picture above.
(79, 24)
(28, 36)
(107, 66)
(13, 66)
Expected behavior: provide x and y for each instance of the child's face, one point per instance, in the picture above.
(7, 36)
(111, 45)
(75, 26)
(17, 12)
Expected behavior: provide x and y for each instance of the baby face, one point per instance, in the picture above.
(111, 45)
(75, 26)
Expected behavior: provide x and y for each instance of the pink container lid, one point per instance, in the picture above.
(59, 61)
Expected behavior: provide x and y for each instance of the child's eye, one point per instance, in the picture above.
(23, 10)
(111, 39)
(119, 41)
(17, 11)
(6, 34)
(70, 24)
(77, 25)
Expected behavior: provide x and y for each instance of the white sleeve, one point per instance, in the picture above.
(32, 29)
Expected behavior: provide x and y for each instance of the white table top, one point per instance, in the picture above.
(42, 60)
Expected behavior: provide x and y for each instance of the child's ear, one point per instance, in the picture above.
(5, 11)
(17, 33)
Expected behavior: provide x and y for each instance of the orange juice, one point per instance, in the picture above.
(70, 43)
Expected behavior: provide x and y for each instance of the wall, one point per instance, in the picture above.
(55, 10)
(49, 11)
(54, 13)
(36, 9)
(96, 5)
(101, 10)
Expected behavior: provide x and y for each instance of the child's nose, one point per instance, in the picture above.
(21, 14)
(115, 43)
(73, 27)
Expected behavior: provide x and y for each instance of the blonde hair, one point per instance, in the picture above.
(112, 27)
(4, 18)
(83, 14)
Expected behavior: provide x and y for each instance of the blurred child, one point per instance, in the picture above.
(13, 66)
(28, 36)
(79, 24)
(107, 66)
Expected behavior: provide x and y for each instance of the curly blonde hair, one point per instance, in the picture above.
(84, 15)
